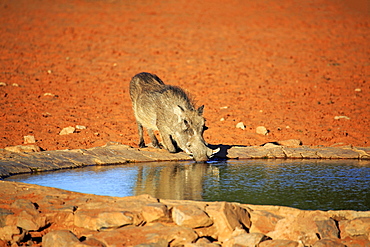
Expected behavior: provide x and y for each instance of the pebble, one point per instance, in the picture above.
(262, 130)
(29, 139)
(15, 85)
(224, 107)
(358, 90)
(80, 127)
(341, 117)
(49, 94)
(222, 119)
(240, 125)
(270, 145)
(2, 83)
(23, 149)
(67, 130)
(290, 143)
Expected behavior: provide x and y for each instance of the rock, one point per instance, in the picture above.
(355, 242)
(23, 148)
(245, 240)
(261, 130)
(240, 125)
(328, 243)
(280, 243)
(209, 232)
(301, 226)
(67, 130)
(263, 221)
(93, 242)
(46, 114)
(80, 127)
(12, 234)
(103, 220)
(155, 212)
(4, 213)
(151, 233)
(355, 228)
(29, 139)
(49, 94)
(158, 244)
(270, 145)
(29, 217)
(202, 242)
(2, 83)
(226, 217)
(290, 143)
(30, 222)
(26, 205)
(190, 216)
(327, 229)
(341, 117)
(60, 238)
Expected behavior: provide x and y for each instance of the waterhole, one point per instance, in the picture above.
(314, 185)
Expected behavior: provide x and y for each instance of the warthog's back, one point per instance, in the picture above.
(144, 83)
(152, 99)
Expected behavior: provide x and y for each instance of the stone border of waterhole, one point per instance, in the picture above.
(107, 221)
(30, 159)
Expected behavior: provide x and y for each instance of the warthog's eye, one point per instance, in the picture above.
(186, 124)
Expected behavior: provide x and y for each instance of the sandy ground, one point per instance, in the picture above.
(291, 66)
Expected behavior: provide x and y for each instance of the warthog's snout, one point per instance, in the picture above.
(202, 152)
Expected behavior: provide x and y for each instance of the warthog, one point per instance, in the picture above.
(169, 110)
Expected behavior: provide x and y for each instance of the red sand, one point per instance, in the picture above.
(291, 66)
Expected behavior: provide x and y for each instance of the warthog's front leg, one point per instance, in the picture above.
(167, 140)
(154, 139)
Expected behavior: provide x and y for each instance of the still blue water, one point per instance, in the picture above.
(322, 185)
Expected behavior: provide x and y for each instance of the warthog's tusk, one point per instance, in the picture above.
(215, 151)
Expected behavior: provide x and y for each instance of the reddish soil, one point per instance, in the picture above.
(291, 66)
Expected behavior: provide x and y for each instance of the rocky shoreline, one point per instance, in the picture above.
(30, 159)
(34, 215)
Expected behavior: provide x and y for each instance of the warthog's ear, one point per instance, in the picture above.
(200, 110)
(179, 112)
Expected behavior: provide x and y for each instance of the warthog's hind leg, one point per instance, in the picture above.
(141, 136)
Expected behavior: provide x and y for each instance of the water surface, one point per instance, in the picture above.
(321, 185)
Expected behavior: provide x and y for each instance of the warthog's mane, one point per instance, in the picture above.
(180, 95)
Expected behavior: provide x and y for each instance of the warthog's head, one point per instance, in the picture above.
(189, 133)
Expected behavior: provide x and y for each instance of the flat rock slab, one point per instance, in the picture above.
(12, 163)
